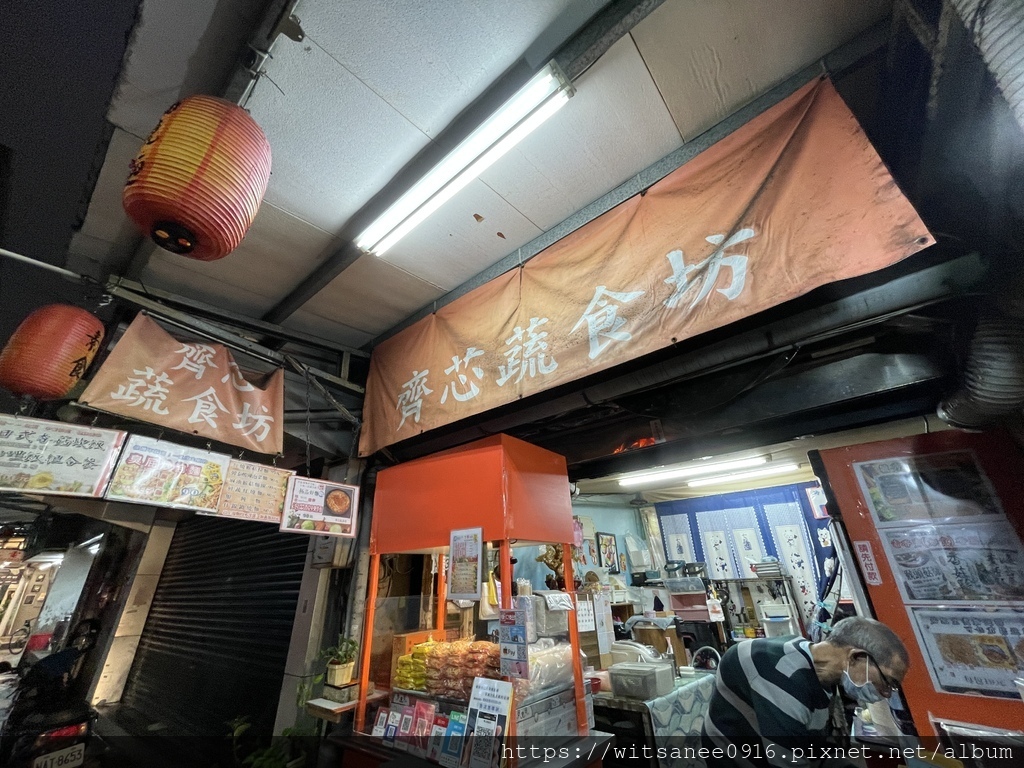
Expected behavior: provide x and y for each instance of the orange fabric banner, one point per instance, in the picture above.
(193, 388)
(793, 200)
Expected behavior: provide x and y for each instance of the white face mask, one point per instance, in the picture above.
(868, 692)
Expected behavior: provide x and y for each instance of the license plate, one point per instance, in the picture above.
(65, 758)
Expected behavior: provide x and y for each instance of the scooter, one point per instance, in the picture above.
(48, 727)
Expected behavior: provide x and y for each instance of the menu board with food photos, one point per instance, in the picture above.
(932, 486)
(972, 651)
(167, 475)
(54, 458)
(320, 507)
(956, 561)
(253, 492)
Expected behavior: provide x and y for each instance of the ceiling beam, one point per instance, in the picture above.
(232, 340)
(235, 319)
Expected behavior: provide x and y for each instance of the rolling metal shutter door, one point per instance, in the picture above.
(218, 631)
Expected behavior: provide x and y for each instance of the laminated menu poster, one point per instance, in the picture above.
(956, 561)
(320, 507)
(57, 459)
(977, 652)
(465, 560)
(253, 492)
(167, 475)
(926, 487)
(487, 721)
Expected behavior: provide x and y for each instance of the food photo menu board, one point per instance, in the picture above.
(958, 564)
(978, 652)
(320, 507)
(253, 492)
(56, 459)
(168, 475)
(957, 561)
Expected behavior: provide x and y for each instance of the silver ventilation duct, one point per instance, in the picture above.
(994, 375)
(997, 27)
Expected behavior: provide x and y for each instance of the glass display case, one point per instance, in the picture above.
(441, 661)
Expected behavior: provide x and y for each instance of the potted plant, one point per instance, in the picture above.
(341, 660)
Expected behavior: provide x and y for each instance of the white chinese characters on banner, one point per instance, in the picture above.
(410, 401)
(711, 267)
(603, 323)
(194, 388)
(530, 352)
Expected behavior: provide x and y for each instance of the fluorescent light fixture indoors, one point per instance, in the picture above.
(691, 470)
(731, 477)
(531, 105)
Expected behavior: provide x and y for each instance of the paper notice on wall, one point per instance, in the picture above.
(585, 616)
(868, 566)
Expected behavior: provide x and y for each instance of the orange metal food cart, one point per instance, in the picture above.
(517, 493)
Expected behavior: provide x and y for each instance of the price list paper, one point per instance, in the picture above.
(253, 492)
(57, 459)
(465, 560)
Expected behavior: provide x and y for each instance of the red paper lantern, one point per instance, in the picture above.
(50, 351)
(197, 182)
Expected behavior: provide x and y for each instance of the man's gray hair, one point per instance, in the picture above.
(873, 636)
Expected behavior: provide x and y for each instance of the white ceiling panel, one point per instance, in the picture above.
(106, 214)
(452, 245)
(372, 295)
(334, 141)
(615, 125)
(710, 59)
(165, 42)
(164, 271)
(278, 251)
(315, 325)
(428, 60)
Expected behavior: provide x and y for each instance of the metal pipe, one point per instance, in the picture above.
(364, 662)
(65, 273)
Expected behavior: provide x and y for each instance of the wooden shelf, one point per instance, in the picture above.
(334, 714)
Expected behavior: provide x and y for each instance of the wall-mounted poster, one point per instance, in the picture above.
(465, 563)
(57, 459)
(927, 487)
(320, 507)
(816, 497)
(253, 492)
(167, 475)
(590, 552)
(976, 652)
(607, 552)
(980, 561)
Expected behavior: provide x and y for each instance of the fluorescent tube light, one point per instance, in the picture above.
(692, 470)
(772, 469)
(531, 105)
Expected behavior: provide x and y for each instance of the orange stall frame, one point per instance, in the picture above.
(516, 492)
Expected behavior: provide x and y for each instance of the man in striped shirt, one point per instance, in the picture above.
(774, 695)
